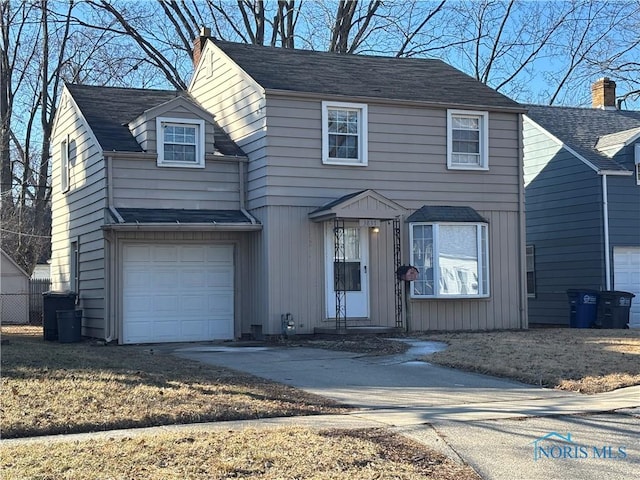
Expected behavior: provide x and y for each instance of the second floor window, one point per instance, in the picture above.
(344, 133)
(64, 166)
(467, 140)
(180, 143)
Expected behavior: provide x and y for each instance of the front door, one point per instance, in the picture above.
(349, 270)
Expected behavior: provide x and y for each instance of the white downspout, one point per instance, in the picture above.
(522, 234)
(605, 217)
(108, 258)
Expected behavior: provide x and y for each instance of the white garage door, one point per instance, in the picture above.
(626, 271)
(177, 293)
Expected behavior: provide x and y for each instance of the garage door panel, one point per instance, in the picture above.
(177, 293)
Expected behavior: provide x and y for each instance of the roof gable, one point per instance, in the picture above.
(406, 79)
(579, 130)
(365, 204)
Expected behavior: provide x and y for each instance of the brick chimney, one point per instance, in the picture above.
(199, 43)
(603, 94)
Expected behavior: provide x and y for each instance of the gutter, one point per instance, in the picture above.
(192, 227)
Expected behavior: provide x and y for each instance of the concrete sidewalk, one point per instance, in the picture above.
(504, 429)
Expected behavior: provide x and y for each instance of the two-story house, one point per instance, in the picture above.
(582, 177)
(290, 185)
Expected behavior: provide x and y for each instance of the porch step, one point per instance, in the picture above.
(359, 330)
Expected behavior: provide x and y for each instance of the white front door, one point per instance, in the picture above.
(349, 270)
(626, 273)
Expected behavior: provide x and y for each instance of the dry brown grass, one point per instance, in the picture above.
(50, 388)
(582, 360)
(291, 453)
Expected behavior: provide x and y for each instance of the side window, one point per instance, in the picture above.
(467, 140)
(531, 271)
(637, 155)
(452, 260)
(64, 166)
(74, 264)
(180, 142)
(344, 133)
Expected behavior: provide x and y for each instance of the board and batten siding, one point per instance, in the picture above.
(140, 183)
(245, 288)
(237, 104)
(563, 203)
(296, 278)
(78, 214)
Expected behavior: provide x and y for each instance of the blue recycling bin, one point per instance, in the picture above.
(583, 307)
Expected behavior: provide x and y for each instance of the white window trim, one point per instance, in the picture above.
(65, 168)
(482, 268)
(484, 139)
(530, 251)
(362, 160)
(200, 147)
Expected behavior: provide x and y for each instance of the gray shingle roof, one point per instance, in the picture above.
(108, 110)
(416, 79)
(171, 215)
(446, 213)
(580, 129)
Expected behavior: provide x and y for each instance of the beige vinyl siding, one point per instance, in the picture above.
(246, 292)
(140, 183)
(77, 216)
(238, 106)
(407, 159)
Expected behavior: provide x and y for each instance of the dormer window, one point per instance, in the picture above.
(180, 142)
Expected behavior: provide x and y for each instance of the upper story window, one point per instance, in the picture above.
(452, 260)
(467, 140)
(180, 142)
(344, 133)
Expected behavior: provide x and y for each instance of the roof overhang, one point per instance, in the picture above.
(158, 219)
(365, 204)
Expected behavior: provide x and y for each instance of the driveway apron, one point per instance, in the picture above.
(492, 423)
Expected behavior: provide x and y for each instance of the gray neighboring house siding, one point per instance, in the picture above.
(564, 175)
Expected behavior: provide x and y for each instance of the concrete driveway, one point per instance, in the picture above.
(497, 426)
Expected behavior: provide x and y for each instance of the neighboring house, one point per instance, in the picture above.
(14, 291)
(582, 182)
(289, 185)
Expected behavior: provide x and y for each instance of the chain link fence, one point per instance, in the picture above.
(24, 307)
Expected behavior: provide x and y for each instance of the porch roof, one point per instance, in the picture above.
(364, 204)
(446, 213)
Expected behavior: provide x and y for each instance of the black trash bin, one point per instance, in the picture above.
(54, 301)
(583, 307)
(613, 309)
(69, 325)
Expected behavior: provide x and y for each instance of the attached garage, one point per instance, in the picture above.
(177, 292)
(626, 271)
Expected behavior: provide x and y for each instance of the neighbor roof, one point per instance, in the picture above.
(415, 79)
(108, 110)
(581, 128)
